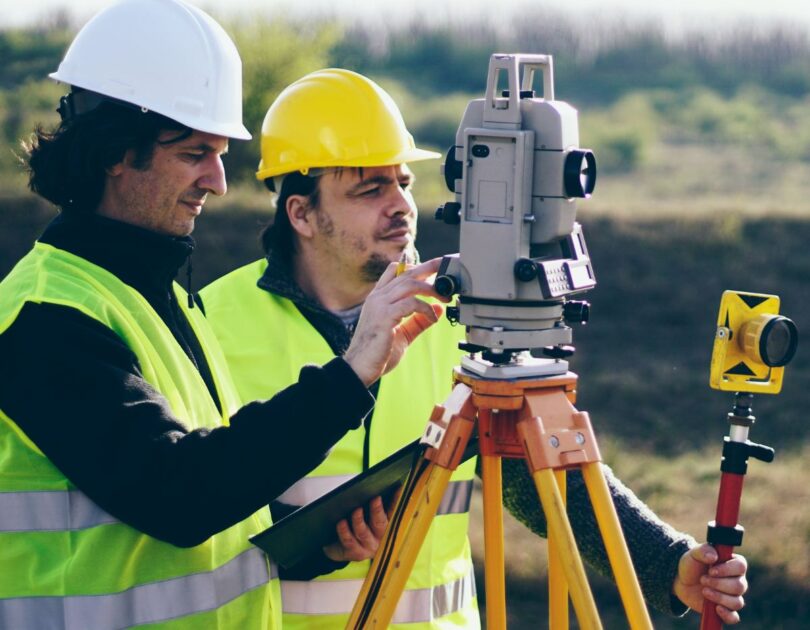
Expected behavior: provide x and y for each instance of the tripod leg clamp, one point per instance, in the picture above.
(722, 535)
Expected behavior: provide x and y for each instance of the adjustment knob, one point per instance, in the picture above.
(558, 352)
(470, 347)
(576, 312)
(446, 286)
(525, 269)
(450, 213)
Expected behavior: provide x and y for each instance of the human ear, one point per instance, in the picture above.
(300, 215)
(116, 169)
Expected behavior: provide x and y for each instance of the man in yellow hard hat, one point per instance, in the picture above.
(130, 477)
(335, 150)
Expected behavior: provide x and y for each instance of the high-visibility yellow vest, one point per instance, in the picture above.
(266, 341)
(67, 564)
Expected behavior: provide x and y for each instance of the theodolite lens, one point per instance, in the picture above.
(771, 339)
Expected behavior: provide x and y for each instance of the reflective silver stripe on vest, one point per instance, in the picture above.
(456, 499)
(49, 511)
(306, 490)
(148, 603)
(337, 597)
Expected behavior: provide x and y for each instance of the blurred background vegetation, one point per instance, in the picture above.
(703, 145)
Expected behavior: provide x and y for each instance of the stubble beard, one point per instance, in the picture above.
(376, 263)
(374, 267)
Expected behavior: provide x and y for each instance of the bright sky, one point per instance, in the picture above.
(676, 15)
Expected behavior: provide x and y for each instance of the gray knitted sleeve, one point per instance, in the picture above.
(655, 547)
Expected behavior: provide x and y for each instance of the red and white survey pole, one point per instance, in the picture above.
(725, 532)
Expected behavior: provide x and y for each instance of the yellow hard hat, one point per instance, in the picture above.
(334, 117)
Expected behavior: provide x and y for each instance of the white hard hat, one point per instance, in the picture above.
(165, 56)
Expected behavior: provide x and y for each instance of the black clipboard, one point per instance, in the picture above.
(312, 526)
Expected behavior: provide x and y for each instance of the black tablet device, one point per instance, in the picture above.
(312, 526)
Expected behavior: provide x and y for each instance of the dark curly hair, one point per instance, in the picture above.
(67, 166)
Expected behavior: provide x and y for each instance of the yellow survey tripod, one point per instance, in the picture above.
(531, 418)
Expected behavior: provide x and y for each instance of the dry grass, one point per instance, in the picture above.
(776, 500)
(683, 491)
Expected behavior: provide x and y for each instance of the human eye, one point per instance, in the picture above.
(371, 191)
(193, 156)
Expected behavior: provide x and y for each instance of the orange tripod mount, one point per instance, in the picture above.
(530, 418)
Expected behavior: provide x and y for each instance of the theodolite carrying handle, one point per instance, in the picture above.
(520, 71)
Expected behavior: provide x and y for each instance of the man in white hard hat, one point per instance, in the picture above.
(335, 148)
(130, 477)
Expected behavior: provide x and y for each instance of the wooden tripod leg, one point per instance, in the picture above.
(616, 547)
(494, 564)
(448, 431)
(562, 536)
(557, 586)
(392, 573)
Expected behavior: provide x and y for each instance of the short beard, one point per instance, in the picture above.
(374, 267)
(376, 264)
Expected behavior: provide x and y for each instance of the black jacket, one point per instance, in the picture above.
(78, 393)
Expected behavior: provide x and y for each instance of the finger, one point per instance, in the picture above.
(737, 585)
(425, 269)
(345, 534)
(411, 305)
(377, 517)
(334, 552)
(419, 321)
(732, 602)
(389, 274)
(705, 554)
(382, 297)
(361, 531)
(728, 617)
(414, 326)
(404, 287)
(348, 543)
(694, 563)
(420, 271)
(393, 314)
(737, 565)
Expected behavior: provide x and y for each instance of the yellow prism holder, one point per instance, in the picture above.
(745, 329)
(533, 419)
